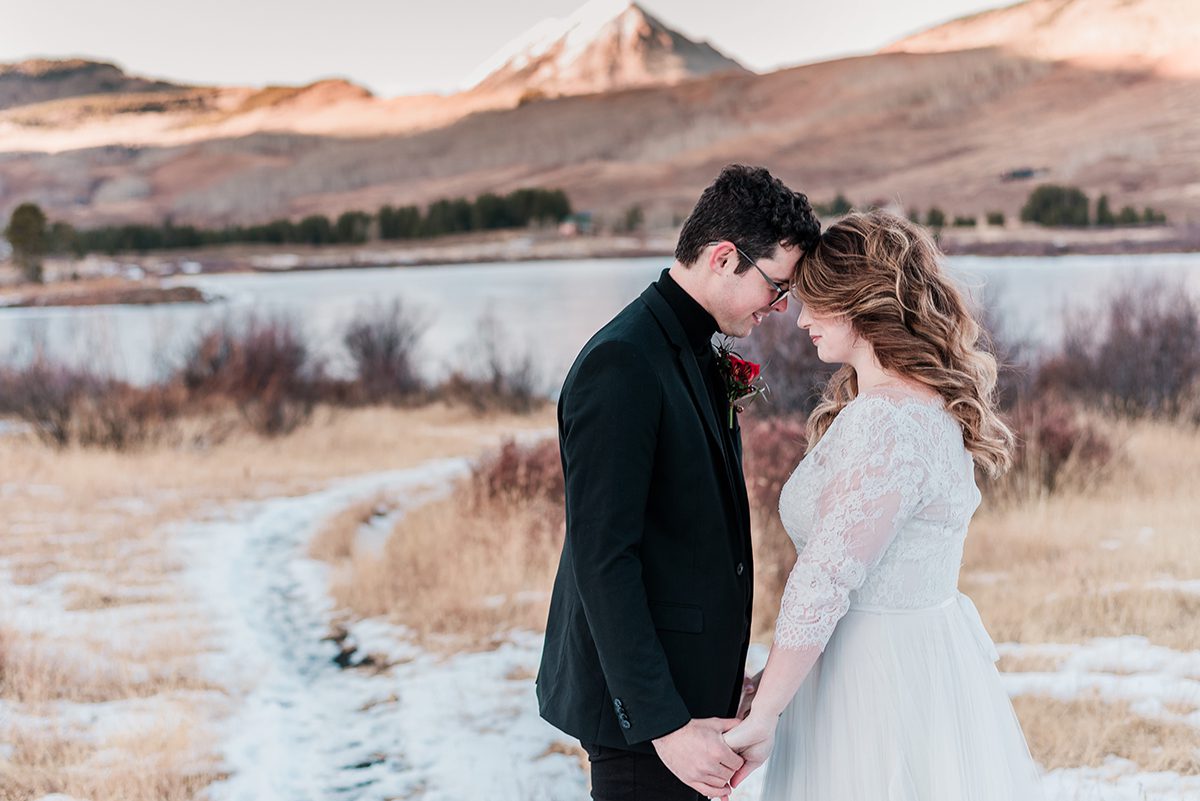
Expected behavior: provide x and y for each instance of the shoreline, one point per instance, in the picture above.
(111, 292)
(136, 278)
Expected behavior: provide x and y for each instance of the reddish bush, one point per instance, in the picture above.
(125, 416)
(1056, 446)
(45, 395)
(771, 448)
(519, 473)
(264, 366)
(66, 404)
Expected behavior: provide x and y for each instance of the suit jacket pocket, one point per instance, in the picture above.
(677, 617)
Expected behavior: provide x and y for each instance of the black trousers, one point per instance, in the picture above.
(619, 775)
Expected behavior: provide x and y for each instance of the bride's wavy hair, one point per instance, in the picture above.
(884, 274)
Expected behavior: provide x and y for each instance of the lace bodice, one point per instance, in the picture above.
(878, 512)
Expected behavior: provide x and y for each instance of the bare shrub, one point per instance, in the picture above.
(1015, 358)
(1137, 354)
(518, 473)
(44, 395)
(498, 376)
(1058, 447)
(382, 342)
(126, 417)
(772, 448)
(68, 404)
(794, 374)
(264, 366)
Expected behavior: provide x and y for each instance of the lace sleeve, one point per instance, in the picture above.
(872, 483)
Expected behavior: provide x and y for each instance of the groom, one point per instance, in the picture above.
(650, 617)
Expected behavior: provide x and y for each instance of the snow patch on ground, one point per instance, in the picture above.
(1115, 668)
(300, 726)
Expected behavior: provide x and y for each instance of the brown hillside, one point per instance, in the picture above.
(39, 80)
(912, 128)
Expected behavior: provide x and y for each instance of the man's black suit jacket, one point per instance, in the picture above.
(650, 615)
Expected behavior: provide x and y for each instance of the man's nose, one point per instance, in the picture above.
(781, 304)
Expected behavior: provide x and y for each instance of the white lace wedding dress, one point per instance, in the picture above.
(905, 703)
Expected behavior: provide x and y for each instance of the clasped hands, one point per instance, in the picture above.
(715, 755)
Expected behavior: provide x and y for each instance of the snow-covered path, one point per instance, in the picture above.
(302, 727)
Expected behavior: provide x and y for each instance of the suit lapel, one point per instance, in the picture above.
(691, 368)
(670, 325)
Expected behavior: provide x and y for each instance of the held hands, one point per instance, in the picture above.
(753, 739)
(699, 756)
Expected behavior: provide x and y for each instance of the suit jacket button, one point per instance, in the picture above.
(625, 724)
(741, 568)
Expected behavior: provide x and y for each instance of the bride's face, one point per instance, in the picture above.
(833, 335)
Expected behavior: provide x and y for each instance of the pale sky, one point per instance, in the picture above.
(405, 47)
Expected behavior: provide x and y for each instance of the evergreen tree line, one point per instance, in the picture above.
(1049, 205)
(449, 216)
(1057, 206)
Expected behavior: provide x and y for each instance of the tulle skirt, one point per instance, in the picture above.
(904, 705)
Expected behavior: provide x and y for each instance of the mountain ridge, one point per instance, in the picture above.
(605, 45)
(1161, 34)
(900, 128)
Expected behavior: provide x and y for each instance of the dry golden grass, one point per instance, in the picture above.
(1165, 617)
(154, 764)
(504, 557)
(337, 538)
(1074, 565)
(338, 443)
(79, 597)
(1180, 707)
(40, 668)
(96, 522)
(1084, 732)
(570, 749)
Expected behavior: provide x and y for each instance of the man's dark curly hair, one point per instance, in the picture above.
(753, 210)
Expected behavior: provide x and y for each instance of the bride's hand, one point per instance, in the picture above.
(753, 739)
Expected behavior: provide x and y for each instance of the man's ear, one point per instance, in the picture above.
(723, 258)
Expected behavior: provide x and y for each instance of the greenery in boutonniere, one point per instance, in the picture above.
(743, 379)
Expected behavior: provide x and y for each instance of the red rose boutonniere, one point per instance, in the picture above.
(743, 379)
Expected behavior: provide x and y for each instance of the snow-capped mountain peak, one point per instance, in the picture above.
(604, 45)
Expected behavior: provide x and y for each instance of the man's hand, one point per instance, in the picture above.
(753, 739)
(699, 757)
(749, 688)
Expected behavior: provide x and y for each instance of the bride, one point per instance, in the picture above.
(881, 683)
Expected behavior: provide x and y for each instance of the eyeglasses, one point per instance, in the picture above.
(781, 290)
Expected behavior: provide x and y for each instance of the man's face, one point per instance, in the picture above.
(740, 302)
